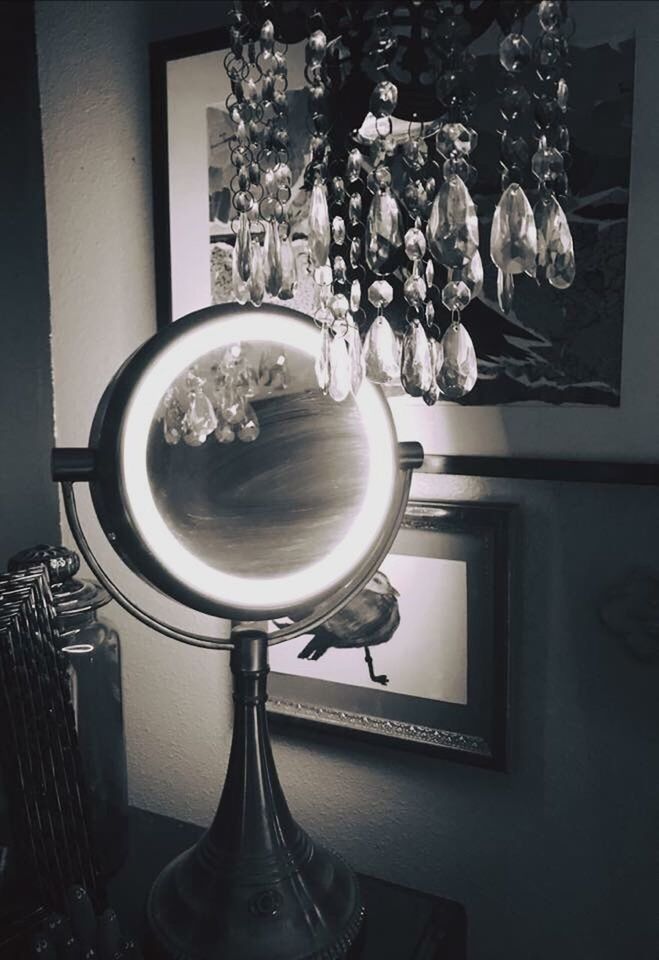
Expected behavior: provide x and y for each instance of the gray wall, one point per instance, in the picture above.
(556, 859)
(28, 499)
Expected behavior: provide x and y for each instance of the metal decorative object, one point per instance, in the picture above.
(291, 526)
(91, 656)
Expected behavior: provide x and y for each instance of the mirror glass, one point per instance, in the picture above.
(253, 468)
(248, 484)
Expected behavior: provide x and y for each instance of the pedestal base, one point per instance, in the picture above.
(255, 886)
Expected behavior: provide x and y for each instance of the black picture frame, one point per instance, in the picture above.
(474, 733)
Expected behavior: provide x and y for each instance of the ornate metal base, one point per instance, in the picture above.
(255, 887)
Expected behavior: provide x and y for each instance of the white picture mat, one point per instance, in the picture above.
(426, 657)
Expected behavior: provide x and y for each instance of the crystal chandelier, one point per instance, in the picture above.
(394, 243)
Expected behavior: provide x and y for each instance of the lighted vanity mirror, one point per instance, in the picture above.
(231, 481)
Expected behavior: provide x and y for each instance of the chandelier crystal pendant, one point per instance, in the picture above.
(393, 224)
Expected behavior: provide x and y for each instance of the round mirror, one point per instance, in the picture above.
(228, 479)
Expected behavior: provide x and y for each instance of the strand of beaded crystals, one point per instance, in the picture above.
(383, 234)
(280, 276)
(556, 261)
(452, 230)
(243, 109)
(513, 240)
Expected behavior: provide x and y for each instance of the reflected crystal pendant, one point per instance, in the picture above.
(357, 360)
(230, 402)
(459, 370)
(248, 429)
(172, 423)
(319, 226)
(381, 353)
(257, 275)
(272, 258)
(224, 433)
(384, 235)
(505, 291)
(555, 245)
(199, 419)
(513, 242)
(416, 372)
(452, 230)
(288, 270)
(322, 365)
(340, 383)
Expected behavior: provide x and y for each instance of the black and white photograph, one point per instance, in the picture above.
(329, 484)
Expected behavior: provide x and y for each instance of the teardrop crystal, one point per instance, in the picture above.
(199, 419)
(242, 248)
(383, 233)
(505, 290)
(322, 365)
(288, 270)
(172, 420)
(340, 370)
(248, 429)
(555, 245)
(459, 370)
(416, 372)
(272, 258)
(257, 276)
(357, 360)
(452, 230)
(224, 433)
(319, 226)
(513, 242)
(381, 352)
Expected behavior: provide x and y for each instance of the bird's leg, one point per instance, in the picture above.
(384, 680)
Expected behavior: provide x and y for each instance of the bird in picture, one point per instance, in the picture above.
(371, 618)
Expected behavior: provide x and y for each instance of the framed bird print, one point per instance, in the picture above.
(419, 659)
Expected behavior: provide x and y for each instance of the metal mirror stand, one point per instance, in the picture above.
(255, 882)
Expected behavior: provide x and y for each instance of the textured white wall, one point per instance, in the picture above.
(557, 859)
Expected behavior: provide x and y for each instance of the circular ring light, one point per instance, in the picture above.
(132, 515)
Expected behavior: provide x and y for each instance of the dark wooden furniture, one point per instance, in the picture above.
(402, 924)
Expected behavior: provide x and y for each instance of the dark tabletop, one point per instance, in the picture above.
(402, 924)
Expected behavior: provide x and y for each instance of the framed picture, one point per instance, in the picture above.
(419, 659)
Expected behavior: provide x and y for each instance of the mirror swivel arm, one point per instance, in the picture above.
(193, 639)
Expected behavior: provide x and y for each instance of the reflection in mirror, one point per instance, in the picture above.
(255, 470)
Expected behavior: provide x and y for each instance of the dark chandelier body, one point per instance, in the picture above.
(390, 170)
